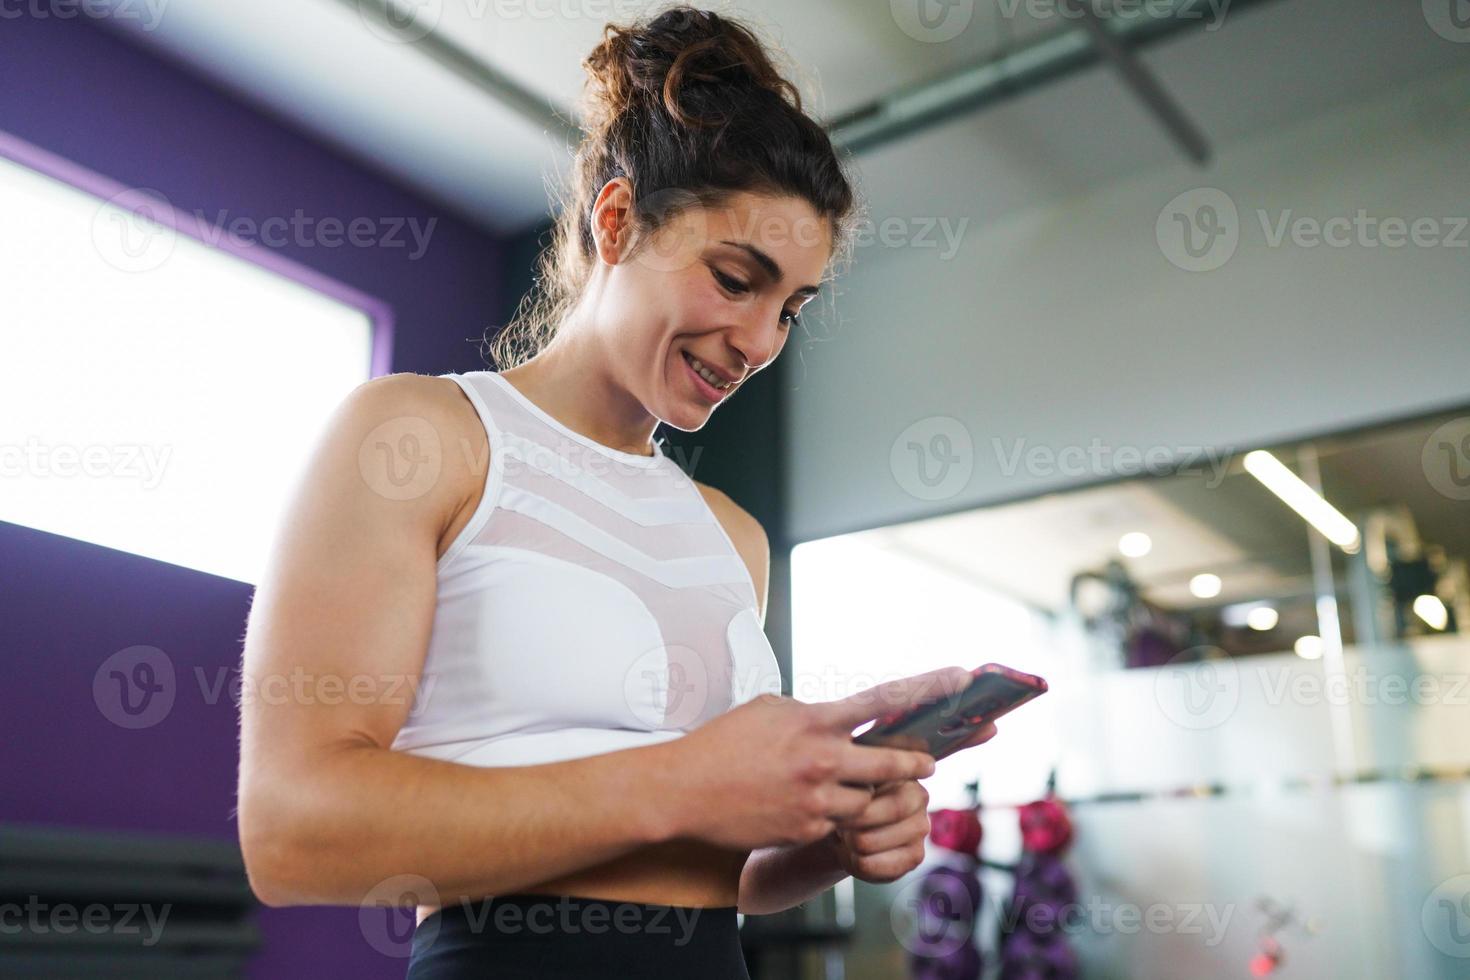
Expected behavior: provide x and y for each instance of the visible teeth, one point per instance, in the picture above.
(706, 374)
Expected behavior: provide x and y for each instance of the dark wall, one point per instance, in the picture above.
(79, 91)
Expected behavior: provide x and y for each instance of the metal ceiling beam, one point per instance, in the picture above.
(1022, 69)
(1150, 92)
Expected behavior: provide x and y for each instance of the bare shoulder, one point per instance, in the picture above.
(420, 420)
(746, 533)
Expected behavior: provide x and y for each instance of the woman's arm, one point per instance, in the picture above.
(777, 878)
(334, 650)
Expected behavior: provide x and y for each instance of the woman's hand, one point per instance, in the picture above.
(777, 771)
(886, 840)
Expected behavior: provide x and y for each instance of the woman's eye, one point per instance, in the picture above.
(734, 285)
(787, 318)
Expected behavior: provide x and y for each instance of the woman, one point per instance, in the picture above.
(549, 687)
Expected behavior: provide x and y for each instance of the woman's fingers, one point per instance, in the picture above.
(876, 840)
(881, 764)
(985, 734)
(842, 803)
(982, 735)
(889, 865)
(892, 803)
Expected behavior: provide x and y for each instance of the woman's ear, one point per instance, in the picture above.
(612, 220)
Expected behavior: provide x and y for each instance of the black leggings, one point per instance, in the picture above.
(562, 937)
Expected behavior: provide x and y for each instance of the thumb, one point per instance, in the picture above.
(895, 695)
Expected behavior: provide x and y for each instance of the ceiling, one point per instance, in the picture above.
(322, 65)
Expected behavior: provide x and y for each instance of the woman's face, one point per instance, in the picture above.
(718, 286)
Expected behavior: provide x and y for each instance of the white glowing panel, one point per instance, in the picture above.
(158, 395)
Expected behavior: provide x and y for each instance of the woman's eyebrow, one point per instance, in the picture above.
(772, 267)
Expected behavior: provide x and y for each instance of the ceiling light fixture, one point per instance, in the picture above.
(1301, 498)
(1135, 544)
(1205, 585)
(1430, 608)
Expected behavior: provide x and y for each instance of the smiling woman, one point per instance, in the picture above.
(600, 730)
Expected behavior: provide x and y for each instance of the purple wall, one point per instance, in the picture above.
(79, 91)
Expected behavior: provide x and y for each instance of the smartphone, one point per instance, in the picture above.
(939, 726)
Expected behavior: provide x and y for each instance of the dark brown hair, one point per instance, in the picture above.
(689, 107)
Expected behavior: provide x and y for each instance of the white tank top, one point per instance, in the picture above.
(593, 602)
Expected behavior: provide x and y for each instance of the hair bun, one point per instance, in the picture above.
(679, 60)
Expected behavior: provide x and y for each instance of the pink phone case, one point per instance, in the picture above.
(940, 725)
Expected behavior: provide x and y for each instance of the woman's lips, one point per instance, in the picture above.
(709, 391)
